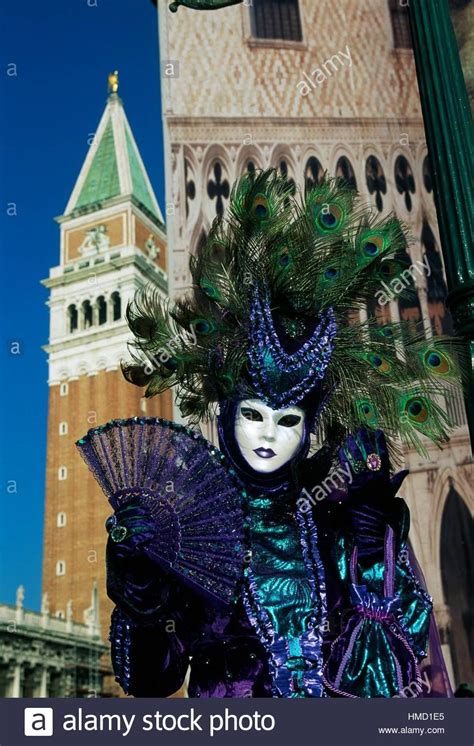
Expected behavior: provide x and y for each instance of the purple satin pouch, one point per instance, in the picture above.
(371, 657)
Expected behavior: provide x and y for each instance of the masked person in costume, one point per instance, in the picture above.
(257, 568)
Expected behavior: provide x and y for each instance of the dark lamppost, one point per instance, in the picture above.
(449, 136)
(202, 4)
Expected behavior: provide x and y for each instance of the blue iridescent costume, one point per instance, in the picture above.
(329, 600)
(295, 601)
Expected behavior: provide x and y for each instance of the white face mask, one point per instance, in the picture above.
(268, 438)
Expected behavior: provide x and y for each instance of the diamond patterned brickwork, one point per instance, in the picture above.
(222, 74)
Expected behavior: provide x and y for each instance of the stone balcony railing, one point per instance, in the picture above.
(41, 622)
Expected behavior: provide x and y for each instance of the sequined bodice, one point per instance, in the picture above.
(278, 568)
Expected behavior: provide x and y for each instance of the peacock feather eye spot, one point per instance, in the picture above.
(329, 216)
(371, 249)
(381, 364)
(210, 290)
(260, 206)
(417, 410)
(226, 381)
(437, 361)
(202, 326)
(328, 219)
(366, 412)
(331, 273)
(284, 260)
(386, 331)
(388, 269)
(434, 359)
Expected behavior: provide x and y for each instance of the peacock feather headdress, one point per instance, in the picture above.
(271, 315)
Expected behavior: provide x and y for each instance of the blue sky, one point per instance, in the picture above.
(63, 51)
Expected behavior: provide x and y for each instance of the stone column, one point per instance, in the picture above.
(108, 310)
(44, 682)
(394, 311)
(16, 681)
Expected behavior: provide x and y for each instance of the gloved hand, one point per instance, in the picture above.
(134, 583)
(372, 504)
(130, 528)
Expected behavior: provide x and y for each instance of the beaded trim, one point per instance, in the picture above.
(307, 365)
(121, 638)
(310, 642)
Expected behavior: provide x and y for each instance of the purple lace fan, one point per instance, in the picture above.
(193, 497)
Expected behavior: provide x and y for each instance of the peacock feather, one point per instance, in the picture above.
(277, 265)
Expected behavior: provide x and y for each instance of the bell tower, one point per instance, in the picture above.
(112, 241)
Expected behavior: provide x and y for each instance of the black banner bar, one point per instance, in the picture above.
(237, 722)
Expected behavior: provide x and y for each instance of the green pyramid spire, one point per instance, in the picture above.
(140, 188)
(102, 181)
(113, 167)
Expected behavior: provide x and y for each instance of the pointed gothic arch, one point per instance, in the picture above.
(345, 170)
(313, 172)
(404, 181)
(375, 180)
(249, 159)
(440, 318)
(284, 162)
(409, 305)
(457, 573)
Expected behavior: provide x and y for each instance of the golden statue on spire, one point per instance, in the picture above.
(113, 82)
